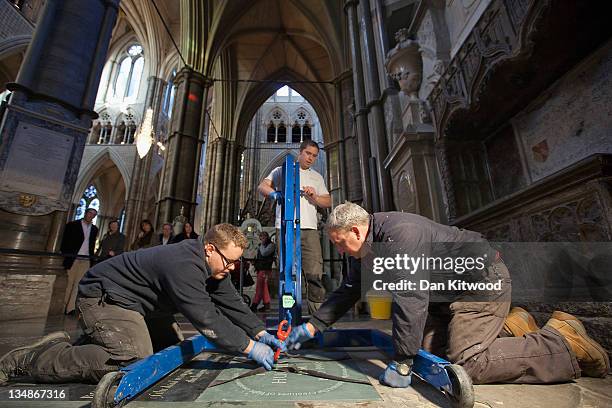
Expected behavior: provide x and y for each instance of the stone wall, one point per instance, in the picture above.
(571, 120)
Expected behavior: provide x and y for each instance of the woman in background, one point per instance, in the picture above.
(263, 266)
(145, 237)
(187, 233)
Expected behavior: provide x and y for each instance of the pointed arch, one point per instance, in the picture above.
(260, 92)
(277, 161)
(95, 164)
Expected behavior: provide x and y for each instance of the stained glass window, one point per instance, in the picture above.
(89, 199)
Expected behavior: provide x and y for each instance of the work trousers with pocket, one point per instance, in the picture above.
(468, 334)
(113, 337)
(312, 267)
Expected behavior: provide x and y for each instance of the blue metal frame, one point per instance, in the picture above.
(428, 366)
(290, 274)
(142, 374)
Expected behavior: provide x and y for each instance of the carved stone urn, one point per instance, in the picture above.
(404, 64)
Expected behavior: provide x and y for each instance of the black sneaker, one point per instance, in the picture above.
(18, 362)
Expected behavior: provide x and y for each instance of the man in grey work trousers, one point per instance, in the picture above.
(315, 194)
(490, 343)
(115, 297)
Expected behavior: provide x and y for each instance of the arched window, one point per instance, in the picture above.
(89, 199)
(129, 73)
(271, 135)
(307, 132)
(282, 133)
(295, 133)
(169, 95)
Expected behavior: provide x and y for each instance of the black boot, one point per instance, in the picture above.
(18, 362)
(254, 308)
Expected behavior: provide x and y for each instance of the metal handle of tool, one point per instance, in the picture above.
(282, 335)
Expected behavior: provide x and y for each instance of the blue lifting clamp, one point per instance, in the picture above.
(290, 274)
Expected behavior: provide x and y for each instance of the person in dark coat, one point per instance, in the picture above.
(467, 331)
(145, 236)
(166, 237)
(113, 242)
(115, 297)
(188, 233)
(78, 243)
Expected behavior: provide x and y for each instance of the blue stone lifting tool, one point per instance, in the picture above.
(290, 274)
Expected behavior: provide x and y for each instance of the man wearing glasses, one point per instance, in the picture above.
(115, 296)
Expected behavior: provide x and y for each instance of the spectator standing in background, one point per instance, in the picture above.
(113, 242)
(145, 237)
(188, 233)
(166, 236)
(79, 239)
(263, 266)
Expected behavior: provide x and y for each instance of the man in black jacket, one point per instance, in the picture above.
(466, 330)
(115, 296)
(79, 239)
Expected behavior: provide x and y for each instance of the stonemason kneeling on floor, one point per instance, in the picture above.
(117, 295)
(492, 343)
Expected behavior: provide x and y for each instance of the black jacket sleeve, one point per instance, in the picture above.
(192, 300)
(93, 234)
(409, 309)
(341, 300)
(227, 299)
(71, 242)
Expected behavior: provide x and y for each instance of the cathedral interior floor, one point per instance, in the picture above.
(187, 386)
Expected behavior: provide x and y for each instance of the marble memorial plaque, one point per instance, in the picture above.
(37, 161)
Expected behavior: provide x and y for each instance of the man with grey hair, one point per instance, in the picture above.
(491, 344)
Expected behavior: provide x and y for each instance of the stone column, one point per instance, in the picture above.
(179, 183)
(42, 137)
(370, 201)
(341, 147)
(378, 136)
(136, 203)
(412, 160)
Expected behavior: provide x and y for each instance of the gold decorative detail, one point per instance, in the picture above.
(27, 200)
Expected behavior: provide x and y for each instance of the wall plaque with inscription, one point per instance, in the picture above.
(37, 162)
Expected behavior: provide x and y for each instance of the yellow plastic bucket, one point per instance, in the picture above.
(380, 305)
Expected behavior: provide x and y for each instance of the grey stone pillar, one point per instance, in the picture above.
(341, 147)
(136, 203)
(378, 134)
(222, 185)
(179, 183)
(370, 201)
(42, 137)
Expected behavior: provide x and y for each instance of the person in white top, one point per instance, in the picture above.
(315, 194)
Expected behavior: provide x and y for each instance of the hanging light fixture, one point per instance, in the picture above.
(144, 137)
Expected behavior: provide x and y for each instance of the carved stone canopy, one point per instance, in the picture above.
(404, 63)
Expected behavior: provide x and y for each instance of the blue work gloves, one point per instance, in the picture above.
(273, 342)
(392, 378)
(298, 335)
(263, 355)
(276, 196)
